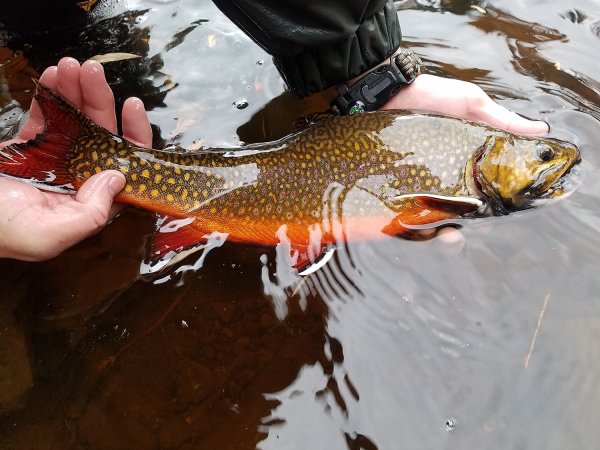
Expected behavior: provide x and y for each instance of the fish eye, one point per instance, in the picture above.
(545, 153)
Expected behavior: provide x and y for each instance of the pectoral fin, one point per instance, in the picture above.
(453, 204)
(424, 211)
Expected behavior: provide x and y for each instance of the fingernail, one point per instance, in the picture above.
(137, 103)
(547, 125)
(93, 66)
(68, 61)
(116, 185)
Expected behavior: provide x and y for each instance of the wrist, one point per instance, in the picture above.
(375, 87)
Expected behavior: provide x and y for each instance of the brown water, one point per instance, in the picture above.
(393, 345)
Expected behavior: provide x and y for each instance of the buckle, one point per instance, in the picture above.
(375, 88)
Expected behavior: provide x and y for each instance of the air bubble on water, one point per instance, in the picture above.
(241, 103)
(450, 424)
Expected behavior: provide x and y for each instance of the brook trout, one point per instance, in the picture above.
(343, 177)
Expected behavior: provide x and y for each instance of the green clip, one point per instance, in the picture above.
(358, 107)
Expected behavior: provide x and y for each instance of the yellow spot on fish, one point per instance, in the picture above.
(186, 176)
(98, 170)
(157, 166)
(184, 194)
(87, 174)
(154, 192)
(177, 170)
(129, 188)
(134, 177)
(145, 173)
(142, 188)
(171, 180)
(157, 178)
(170, 197)
(94, 156)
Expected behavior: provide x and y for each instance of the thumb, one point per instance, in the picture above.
(96, 196)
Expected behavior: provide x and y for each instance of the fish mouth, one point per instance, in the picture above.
(567, 181)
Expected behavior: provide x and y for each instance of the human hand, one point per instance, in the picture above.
(36, 225)
(464, 100)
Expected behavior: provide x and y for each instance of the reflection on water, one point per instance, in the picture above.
(392, 344)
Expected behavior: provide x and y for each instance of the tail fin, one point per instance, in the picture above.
(44, 158)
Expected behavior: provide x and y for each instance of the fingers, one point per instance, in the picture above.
(98, 98)
(97, 193)
(453, 240)
(85, 86)
(136, 126)
(69, 81)
(95, 204)
(35, 122)
(500, 117)
(63, 78)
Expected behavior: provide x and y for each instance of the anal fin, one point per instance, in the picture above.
(173, 235)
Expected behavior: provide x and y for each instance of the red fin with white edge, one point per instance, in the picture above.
(307, 267)
(44, 158)
(414, 216)
(173, 235)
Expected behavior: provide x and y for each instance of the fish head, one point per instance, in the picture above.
(518, 173)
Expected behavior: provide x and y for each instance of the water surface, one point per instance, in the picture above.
(393, 344)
